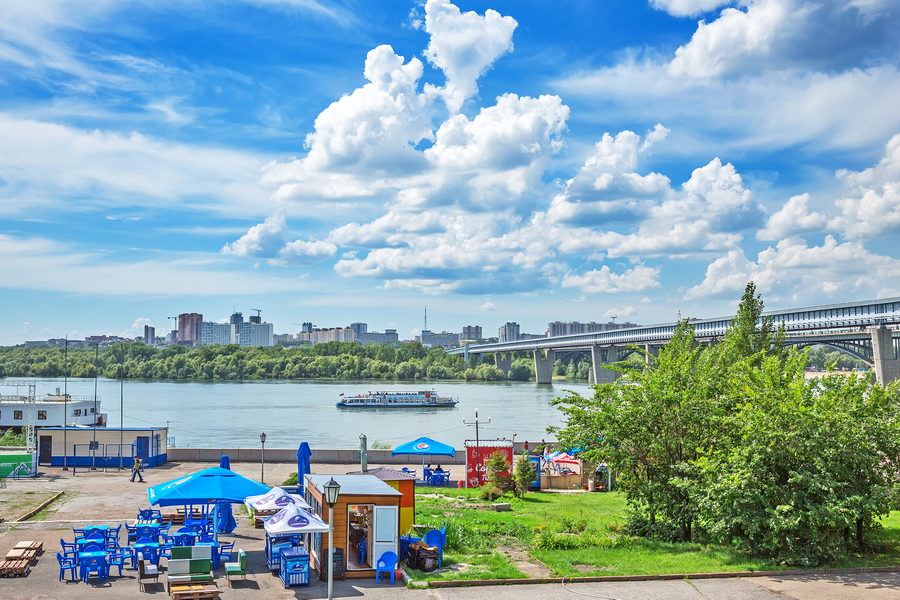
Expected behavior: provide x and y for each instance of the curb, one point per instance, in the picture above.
(619, 578)
(37, 509)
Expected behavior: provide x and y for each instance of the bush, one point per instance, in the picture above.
(490, 492)
(291, 480)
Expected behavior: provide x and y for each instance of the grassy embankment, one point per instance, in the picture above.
(578, 534)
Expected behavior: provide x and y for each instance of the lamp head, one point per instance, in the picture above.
(262, 438)
(332, 490)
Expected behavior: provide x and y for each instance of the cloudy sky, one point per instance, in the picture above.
(491, 160)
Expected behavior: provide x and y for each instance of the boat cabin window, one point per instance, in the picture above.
(42, 415)
(17, 414)
(360, 522)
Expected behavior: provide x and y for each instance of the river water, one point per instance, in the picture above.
(232, 414)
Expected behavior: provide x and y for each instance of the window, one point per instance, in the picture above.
(92, 411)
(42, 415)
(17, 414)
(77, 412)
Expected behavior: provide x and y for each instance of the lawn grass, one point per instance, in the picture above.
(578, 534)
(16, 504)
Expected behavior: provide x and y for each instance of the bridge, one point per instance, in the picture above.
(868, 330)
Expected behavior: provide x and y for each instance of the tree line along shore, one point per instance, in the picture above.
(332, 360)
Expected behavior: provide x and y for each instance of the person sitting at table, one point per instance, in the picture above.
(439, 469)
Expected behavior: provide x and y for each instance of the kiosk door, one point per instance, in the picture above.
(386, 527)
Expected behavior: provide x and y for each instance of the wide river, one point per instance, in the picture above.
(232, 414)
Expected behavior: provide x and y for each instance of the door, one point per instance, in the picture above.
(45, 449)
(142, 447)
(386, 528)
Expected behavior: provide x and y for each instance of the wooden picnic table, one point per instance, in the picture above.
(193, 591)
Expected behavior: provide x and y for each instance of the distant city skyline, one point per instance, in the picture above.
(494, 160)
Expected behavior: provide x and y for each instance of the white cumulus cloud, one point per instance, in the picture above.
(792, 219)
(464, 45)
(605, 281)
(872, 205)
(794, 272)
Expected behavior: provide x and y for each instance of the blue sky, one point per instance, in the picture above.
(494, 160)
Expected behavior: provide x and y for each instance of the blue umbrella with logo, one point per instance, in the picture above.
(424, 446)
(303, 467)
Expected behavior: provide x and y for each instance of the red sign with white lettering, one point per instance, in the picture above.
(476, 459)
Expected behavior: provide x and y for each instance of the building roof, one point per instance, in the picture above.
(89, 428)
(385, 474)
(355, 485)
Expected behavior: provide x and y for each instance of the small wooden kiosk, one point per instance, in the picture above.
(366, 521)
(405, 483)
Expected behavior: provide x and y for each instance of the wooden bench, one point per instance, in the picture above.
(194, 591)
(19, 567)
(188, 570)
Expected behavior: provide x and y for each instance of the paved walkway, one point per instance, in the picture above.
(110, 497)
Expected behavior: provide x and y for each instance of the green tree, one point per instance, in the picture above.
(523, 475)
(814, 465)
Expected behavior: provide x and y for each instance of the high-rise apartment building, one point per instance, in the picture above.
(444, 338)
(471, 332)
(216, 333)
(149, 335)
(359, 331)
(574, 327)
(189, 328)
(509, 332)
(255, 334)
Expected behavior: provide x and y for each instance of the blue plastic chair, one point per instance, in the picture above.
(436, 538)
(68, 548)
(93, 565)
(225, 551)
(361, 549)
(66, 563)
(93, 547)
(386, 564)
(118, 558)
(184, 540)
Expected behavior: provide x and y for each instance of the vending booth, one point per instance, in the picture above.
(366, 523)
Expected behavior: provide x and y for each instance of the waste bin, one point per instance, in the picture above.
(423, 558)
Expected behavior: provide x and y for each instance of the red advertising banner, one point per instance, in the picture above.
(477, 458)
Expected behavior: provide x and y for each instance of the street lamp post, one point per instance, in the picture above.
(262, 461)
(332, 490)
(476, 423)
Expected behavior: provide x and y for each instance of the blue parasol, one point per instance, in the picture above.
(205, 487)
(424, 446)
(225, 462)
(303, 464)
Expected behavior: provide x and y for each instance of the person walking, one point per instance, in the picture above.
(136, 470)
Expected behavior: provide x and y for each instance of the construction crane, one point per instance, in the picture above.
(258, 312)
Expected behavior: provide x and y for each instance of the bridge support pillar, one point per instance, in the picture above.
(599, 357)
(651, 350)
(543, 366)
(503, 360)
(887, 365)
